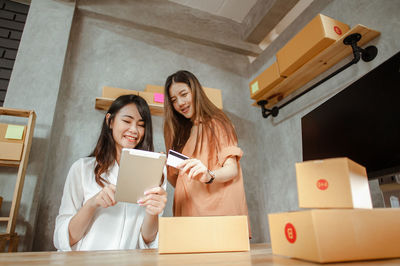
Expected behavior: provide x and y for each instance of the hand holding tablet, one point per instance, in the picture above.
(139, 171)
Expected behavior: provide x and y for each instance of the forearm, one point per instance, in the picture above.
(149, 228)
(227, 172)
(80, 222)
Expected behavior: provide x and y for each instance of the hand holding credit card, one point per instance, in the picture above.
(175, 158)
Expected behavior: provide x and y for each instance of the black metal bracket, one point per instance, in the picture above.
(266, 112)
(368, 54)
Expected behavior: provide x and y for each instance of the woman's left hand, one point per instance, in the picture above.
(154, 200)
(195, 169)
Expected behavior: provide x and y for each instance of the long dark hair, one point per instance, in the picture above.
(177, 127)
(105, 150)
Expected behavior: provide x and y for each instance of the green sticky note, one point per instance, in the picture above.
(14, 132)
(254, 87)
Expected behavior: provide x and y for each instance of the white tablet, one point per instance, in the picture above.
(138, 171)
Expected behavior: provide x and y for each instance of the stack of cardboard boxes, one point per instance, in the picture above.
(317, 35)
(343, 226)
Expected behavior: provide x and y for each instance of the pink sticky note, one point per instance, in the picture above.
(159, 97)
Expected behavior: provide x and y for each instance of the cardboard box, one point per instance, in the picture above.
(158, 92)
(154, 88)
(11, 149)
(265, 81)
(203, 234)
(149, 97)
(332, 183)
(113, 93)
(336, 235)
(215, 96)
(321, 32)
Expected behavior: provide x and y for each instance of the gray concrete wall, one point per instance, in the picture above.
(34, 85)
(280, 137)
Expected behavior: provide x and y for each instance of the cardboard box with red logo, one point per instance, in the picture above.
(316, 36)
(345, 227)
(334, 235)
(332, 183)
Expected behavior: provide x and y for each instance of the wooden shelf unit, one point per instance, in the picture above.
(10, 235)
(316, 66)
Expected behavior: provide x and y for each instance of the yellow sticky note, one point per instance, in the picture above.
(254, 87)
(14, 132)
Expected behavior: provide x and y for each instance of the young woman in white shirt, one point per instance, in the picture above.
(89, 217)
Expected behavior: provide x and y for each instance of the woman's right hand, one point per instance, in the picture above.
(80, 221)
(105, 198)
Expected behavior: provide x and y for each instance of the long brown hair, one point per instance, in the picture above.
(105, 150)
(177, 128)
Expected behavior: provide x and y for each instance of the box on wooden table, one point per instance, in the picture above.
(203, 234)
(264, 82)
(317, 35)
(113, 93)
(332, 183)
(334, 235)
(11, 141)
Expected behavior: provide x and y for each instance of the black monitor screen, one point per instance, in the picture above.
(361, 122)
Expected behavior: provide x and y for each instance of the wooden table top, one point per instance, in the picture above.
(260, 254)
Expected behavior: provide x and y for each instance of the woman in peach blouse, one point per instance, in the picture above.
(210, 182)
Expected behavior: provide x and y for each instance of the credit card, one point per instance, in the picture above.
(175, 158)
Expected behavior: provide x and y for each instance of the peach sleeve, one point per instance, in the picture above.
(227, 149)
